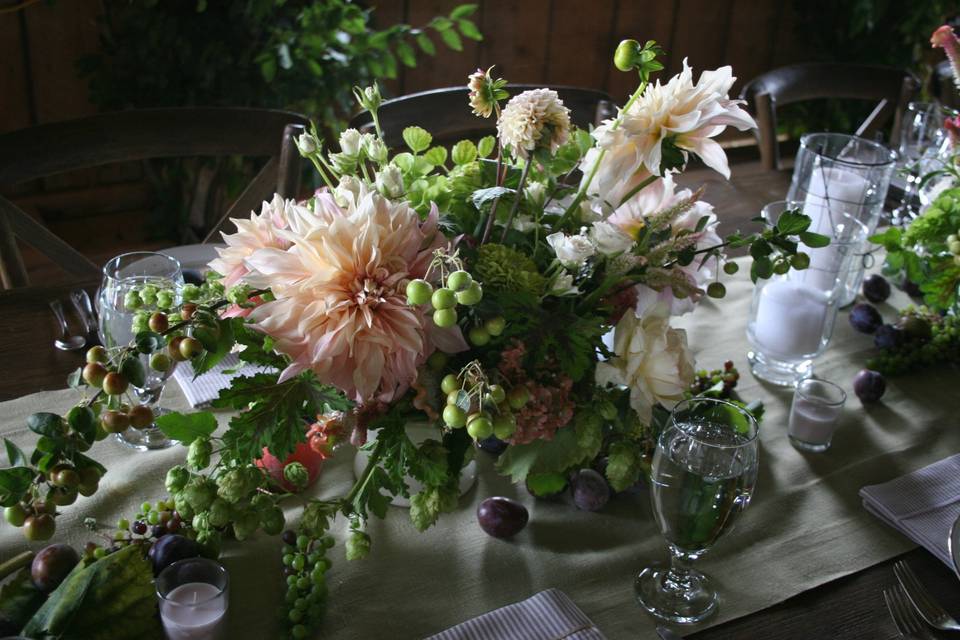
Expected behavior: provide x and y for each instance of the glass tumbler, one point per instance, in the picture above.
(194, 596)
(816, 408)
(837, 175)
(121, 275)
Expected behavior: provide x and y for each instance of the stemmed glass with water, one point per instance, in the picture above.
(922, 133)
(703, 476)
(123, 274)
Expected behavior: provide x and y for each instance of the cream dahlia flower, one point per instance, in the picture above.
(340, 307)
(259, 232)
(686, 114)
(651, 359)
(480, 97)
(534, 118)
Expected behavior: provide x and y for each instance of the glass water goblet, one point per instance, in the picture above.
(922, 132)
(703, 475)
(121, 275)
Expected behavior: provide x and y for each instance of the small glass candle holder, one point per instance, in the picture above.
(817, 405)
(194, 594)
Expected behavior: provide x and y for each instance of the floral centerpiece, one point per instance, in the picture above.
(471, 287)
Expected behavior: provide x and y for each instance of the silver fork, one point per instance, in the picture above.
(928, 608)
(904, 616)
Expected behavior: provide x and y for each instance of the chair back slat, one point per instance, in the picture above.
(891, 88)
(135, 135)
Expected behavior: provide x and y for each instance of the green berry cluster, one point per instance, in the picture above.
(461, 289)
(484, 409)
(925, 339)
(305, 567)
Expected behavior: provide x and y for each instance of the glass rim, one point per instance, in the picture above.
(749, 439)
(218, 568)
(798, 390)
(145, 254)
(890, 153)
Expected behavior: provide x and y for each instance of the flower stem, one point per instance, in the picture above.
(496, 201)
(362, 481)
(637, 189)
(15, 563)
(516, 199)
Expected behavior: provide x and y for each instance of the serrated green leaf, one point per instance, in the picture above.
(542, 456)
(224, 342)
(425, 508)
(404, 161)
(187, 427)
(417, 139)
(486, 145)
(480, 197)
(792, 222)
(436, 156)
(546, 484)
(464, 152)
(426, 44)
(813, 240)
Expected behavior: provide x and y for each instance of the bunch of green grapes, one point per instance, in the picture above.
(305, 566)
(918, 340)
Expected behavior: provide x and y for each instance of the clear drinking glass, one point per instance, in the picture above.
(120, 275)
(837, 174)
(922, 131)
(703, 475)
(792, 315)
(194, 597)
(816, 408)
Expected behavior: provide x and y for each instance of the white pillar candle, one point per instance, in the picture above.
(812, 422)
(194, 611)
(789, 320)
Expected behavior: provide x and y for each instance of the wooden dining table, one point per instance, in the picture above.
(848, 607)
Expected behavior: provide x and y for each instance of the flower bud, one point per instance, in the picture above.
(350, 141)
(536, 193)
(347, 191)
(390, 182)
(307, 144)
(374, 148)
(369, 97)
(627, 55)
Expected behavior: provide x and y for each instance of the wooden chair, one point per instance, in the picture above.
(892, 88)
(445, 113)
(132, 135)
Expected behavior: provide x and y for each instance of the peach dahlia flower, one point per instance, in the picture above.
(259, 232)
(340, 307)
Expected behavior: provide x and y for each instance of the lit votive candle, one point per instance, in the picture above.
(789, 319)
(193, 594)
(817, 405)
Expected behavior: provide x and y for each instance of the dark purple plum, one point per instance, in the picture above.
(865, 318)
(493, 445)
(869, 385)
(52, 565)
(911, 288)
(876, 289)
(917, 328)
(590, 490)
(502, 517)
(169, 549)
(888, 337)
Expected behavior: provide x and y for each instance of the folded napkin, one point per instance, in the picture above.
(922, 505)
(549, 615)
(203, 390)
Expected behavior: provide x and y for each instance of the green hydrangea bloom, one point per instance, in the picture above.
(501, 267)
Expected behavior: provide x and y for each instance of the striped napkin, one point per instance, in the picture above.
(922, 505)
(549, 615)
(203, 390)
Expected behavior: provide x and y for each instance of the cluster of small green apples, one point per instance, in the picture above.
(953, 245)
(481, 334)
(490, 411)
(64, 482)
(461, 289)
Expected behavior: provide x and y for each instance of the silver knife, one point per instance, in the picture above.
(666, 634)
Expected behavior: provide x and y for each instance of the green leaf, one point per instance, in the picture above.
(15, 455)
(890, 238)
(149, 342)
(426, 44)
(813, 240)
(46, 424)
(82, 420)
(187, 427)
(542, 456)
(15, 481)
(702, 223)
(75, 379)
(417, 139)
(623, 468)
(132, 369)
(791, 222)
(436, 156)
(452, 39)
(463, 400)
(462, 11)
(469, 30)
(268, 69)
(486, 145)
(406, 54)
(546, 484)
(224, 344)
(19, 600)
(405, 161)
(481, 197)
(464, 152)
(760, 249)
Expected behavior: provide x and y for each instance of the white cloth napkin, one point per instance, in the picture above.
(923, 505)
(203, 390)
(549, 615)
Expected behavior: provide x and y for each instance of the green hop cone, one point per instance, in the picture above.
(190, 292)
(358, 545)
(238, 294)
(219, 513)
(201, 521)
(272, 521)
(296, 474)
(261, 502)
(234, 485)
(182, 506)
(198, 455)
(200, 492)
(210, 541)
(245, 525)
(177, 478)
